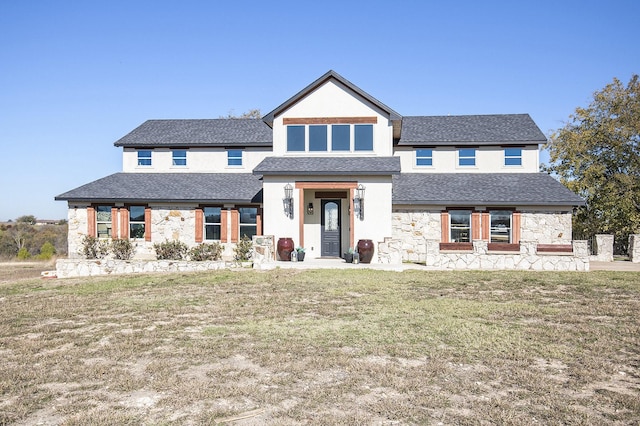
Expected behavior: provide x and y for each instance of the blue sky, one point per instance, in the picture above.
(75, 76)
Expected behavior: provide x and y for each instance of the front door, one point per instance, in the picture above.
(330, 228)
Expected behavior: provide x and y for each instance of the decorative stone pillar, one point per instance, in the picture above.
(634, 248)
(432, 252)
(580, 249)
(480, 247)
(263, 250)
(603, 248)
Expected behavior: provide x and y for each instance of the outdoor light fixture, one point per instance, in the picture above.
(310, 209)
(358, 202)
(287, 201)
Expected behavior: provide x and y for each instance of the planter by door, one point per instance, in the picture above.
(284, 248)
(365, 250)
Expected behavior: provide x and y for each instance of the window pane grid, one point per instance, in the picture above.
(424, 157)
(144, 158)
(103, 221)
(234, 157)
(467, 157)
(136, 222)
(248, 221)
(180, 158)
(460, 226)
(513, 157)
(212, 223)
(500, 226)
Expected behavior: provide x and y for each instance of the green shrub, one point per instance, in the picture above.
(94, 248)
(170, 250)
(47, 251)
(23, 253)
(243, 249)
(206, 251)
(122, 249)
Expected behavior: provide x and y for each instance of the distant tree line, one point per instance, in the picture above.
(25, 239)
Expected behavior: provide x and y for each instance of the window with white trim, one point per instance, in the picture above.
(460, 226)
(466, 157)
(513, 156)
(179, 157)
(500, 226)
(144, 157)
(234, 157)
(103, 221)
(331, 137)
(248, 221)
(424, 157)
(136, 221)
(212, 223)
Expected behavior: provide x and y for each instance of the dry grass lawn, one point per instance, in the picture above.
(322, 347)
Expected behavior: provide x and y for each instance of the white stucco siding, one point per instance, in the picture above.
(489, 159)
(199, 160)
(375, 226)
(334, 100)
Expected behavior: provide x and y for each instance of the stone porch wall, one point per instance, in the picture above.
(526, 259)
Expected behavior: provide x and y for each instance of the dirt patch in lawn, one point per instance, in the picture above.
(322, 347)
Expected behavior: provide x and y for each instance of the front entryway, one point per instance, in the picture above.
(330, 228)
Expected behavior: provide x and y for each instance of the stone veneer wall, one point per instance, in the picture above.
(167, 223)
(526, 259)
(411, 228)
(546, 227)
(69, 268)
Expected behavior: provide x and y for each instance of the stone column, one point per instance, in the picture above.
(604, 248)
(634, 248)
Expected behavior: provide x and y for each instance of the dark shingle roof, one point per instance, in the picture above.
(214, 132)
(176, 187)
(339, 166)
(471, 130)
(482, 189)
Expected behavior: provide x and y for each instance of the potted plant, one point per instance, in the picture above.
(348, 255)
(300, 251)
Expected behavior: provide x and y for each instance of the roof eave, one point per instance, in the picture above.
(270, 117)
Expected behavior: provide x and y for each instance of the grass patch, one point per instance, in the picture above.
(351, 347)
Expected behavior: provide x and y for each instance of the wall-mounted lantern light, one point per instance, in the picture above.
(310, 209)
(287, 201)
(358, 202)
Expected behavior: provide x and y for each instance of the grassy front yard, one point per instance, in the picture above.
(322, 347)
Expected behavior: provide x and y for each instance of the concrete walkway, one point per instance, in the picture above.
(341, 264)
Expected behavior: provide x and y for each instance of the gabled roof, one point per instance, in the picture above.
(330, 75)
(337, 166)
(207, 132)
(174, 187)
(505, 129)
(482, 189)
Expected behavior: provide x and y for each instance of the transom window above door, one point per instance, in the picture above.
(330, 138)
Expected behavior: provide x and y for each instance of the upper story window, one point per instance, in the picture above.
(103, 221)
(460, 226)
(144, 157)
(248, 221)
(234, 157)
(212, 223)
(136, 221)
(340, 137)
(329, 137)
(363, 137)
(424, 157)
(317, 138)
(500, 226)
(466, 157)
(295, 138)
(179, 157)
(513, 156)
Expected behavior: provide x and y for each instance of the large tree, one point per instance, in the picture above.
(597, 155)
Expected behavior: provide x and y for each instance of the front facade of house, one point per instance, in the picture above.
(331, 166)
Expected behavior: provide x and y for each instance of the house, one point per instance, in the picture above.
(330, 166)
